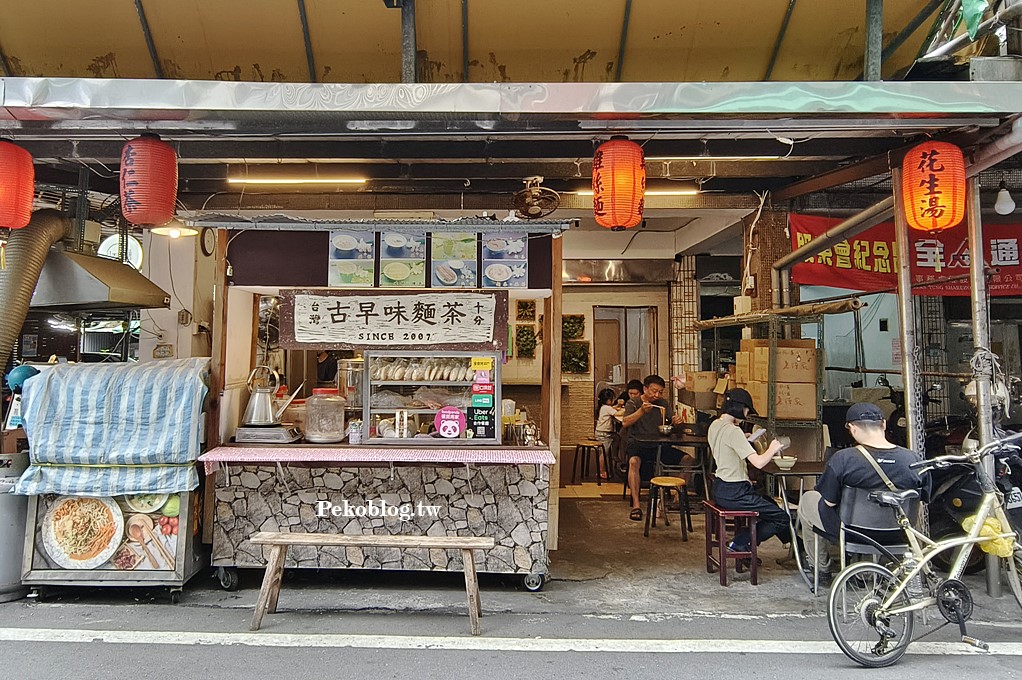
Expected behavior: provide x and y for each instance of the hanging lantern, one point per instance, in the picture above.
(17, 186)
(148, 181)
(933, 186)
(619, 184)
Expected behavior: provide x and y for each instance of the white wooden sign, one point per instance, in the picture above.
(403, 319)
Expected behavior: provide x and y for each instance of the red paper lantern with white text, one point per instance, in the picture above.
(619, 184)
(148, 181)
(933, 186)
(17, 186)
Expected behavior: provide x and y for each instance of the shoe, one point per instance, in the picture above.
(635, 515)
(745, 564)
(734, 547)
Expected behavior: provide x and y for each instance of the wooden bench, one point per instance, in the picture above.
(270, 590)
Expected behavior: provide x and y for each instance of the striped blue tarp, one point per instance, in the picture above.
(112, 429)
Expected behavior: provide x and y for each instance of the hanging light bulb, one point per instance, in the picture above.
(1004, 205)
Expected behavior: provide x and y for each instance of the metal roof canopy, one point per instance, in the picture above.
(287, 223)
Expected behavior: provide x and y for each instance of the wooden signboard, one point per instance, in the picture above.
(348, 319)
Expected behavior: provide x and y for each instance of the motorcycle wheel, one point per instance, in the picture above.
(946, 558)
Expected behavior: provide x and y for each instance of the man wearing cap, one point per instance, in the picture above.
(849, 467)
(732, 489)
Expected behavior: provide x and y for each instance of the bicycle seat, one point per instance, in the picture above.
(893, 499)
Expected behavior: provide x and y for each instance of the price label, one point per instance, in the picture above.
(482, 364)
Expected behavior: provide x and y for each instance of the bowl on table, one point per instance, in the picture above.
(665, 429)
(785, 462)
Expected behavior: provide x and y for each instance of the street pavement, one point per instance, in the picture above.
(373, 625)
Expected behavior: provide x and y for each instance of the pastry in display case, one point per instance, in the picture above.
(436, 397)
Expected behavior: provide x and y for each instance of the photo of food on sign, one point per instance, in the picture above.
(126, 533)
(505, 246)
(497, 274)
(403, 260)
(454, 274)
(351, 259)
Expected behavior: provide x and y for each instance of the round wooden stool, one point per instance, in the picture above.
(659, 490)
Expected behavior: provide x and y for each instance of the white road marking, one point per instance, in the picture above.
(477, 644)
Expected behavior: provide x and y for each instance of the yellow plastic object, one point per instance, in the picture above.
(1001, 547)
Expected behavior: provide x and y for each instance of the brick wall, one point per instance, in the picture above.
(769, 243)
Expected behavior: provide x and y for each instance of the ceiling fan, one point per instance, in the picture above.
(535, 201)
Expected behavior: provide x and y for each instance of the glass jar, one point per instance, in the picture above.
(324, 416)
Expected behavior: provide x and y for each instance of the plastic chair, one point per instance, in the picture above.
(867, 528)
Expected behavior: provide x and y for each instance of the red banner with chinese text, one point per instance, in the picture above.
(869, 261)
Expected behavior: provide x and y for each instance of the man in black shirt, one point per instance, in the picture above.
(848, 467)
(643, 415)
(326, 369)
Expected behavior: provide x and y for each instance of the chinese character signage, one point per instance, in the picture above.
(869, 262)
(338, 319)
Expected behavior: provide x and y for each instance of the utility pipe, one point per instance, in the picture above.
(1002, 148)
(906, 313)
(856, 224)
(982, 370)
(408, 44)
(1005, 16)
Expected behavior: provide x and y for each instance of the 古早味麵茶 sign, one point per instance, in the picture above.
(343, 319)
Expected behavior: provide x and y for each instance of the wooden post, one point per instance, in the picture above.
(217, 376)
(475, 605)
(271, 585)
(551, 396)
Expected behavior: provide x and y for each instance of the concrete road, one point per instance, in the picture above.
(319, 633)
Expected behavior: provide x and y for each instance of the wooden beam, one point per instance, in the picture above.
(550, 404)
(217, 375)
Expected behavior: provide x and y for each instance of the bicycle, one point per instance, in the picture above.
(871, 606)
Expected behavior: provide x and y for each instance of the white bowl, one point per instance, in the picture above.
(785, 462)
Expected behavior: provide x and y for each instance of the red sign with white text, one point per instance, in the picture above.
(869, 261)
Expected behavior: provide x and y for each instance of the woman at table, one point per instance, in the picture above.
(732, 489)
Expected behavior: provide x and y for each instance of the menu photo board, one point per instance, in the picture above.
(454, 261)
(505, 260)
(339, 319)
(352, 259)
(402, 260)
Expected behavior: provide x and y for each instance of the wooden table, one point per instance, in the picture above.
(801, 470)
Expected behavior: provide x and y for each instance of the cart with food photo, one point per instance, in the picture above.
(116, 504)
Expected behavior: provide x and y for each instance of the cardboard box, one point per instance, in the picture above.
(743, 304)
(700, 381)
(750, 344)
(794, 365)
(14, 441)
(701, 401)
(795, 401)
(743, 366)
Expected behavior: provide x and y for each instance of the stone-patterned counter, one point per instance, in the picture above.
(507, 501)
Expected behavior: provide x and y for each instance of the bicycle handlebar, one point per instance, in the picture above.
(945, 461)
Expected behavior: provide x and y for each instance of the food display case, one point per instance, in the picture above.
(433, 397)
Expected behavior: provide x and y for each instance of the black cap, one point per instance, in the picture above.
(858, 412)
(739, 396)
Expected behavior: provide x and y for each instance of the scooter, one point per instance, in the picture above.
(939, 432)
(955, 492)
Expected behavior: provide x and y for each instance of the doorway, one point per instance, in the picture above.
(624, 344)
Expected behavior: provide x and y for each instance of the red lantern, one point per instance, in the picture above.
(619, 184)
(148, 181)
(17, 186)
(933, 186)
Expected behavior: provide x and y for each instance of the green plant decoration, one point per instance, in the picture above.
(573, 326)
(525, 310)
(525, 341)
(575, 357)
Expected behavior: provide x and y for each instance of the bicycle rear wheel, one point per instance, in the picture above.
(856, 595)
(1015, 576)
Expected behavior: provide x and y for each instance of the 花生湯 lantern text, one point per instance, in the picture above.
(933, 186)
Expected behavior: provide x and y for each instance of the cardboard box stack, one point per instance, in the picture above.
(698, 392)
(795, 374)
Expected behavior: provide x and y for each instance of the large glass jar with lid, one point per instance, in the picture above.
(324, 416)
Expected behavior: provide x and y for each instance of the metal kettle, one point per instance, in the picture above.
(260, 409)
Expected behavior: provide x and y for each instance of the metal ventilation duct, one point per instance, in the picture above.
(72, 281)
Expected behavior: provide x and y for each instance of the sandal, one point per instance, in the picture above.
(635, 515)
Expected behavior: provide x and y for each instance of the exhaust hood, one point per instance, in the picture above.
(72, 281)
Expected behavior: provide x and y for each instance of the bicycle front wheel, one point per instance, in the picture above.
(865, 636)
